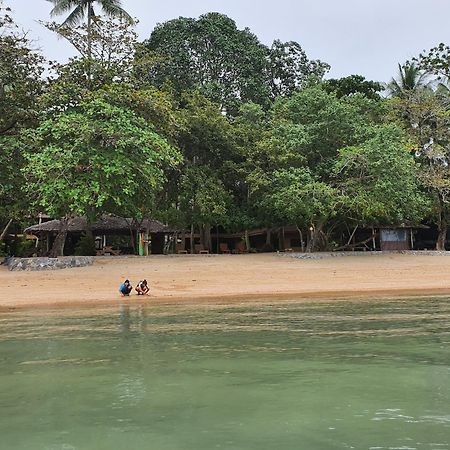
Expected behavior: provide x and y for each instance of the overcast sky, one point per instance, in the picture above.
(367, 37)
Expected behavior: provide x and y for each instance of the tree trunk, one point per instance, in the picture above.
(302, 245)
(442, 236)
(217, 239)
(310, 240)
(202, 236)
(133, 239)
(317, 240)
(442, 226)
(89, 41)
(207, 238)
(268, 236)
(247, 240)
(5, 230)
(60, 240)
(192, 239)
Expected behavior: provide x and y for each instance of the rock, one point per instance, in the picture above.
(35, 264)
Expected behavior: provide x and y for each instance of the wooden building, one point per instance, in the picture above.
(396, 238)
(113, 235)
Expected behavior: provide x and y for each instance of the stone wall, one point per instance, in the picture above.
(323, 255)
(34, 264)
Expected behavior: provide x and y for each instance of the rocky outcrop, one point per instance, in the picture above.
(35, 264)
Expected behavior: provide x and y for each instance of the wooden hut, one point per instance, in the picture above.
(142, 236)
(396, 238)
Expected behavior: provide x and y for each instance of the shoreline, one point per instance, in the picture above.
(230, 279)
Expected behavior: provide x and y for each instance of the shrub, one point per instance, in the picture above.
(22, 248)
(85, 246)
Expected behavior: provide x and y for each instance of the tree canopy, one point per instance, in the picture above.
(203, 126)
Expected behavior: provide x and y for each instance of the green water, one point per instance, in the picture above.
(312, 376)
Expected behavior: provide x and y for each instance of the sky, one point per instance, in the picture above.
(367, 37)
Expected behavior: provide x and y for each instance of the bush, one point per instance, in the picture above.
(22, 248)
(85, 246)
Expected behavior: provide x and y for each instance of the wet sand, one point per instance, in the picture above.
(227, 278)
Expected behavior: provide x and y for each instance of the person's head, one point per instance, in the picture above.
(145, 282)
(127, 281)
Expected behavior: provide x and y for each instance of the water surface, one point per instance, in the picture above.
(289, 375)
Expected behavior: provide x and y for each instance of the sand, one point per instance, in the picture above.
(188, 278)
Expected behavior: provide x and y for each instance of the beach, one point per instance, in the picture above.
(188, 278)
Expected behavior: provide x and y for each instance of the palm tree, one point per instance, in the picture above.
(409, 79)
(81, 8)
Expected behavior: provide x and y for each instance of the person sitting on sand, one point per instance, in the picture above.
(142, 288)
(125, 288)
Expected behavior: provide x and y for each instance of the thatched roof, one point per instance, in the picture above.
(107, 224)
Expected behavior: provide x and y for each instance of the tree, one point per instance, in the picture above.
(93, 159)
(107, 49)
(379, 179)
(425, 115)
(21, 84)
(315, 124)
(353, 84)
(289, 69)
(228, 65)
(21, 68)
(436, 61)
(410, 78)
(204, 202)
(212, 55)
(300, 198)
(200, 190)
(79, 9)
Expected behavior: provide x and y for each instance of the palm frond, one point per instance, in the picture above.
(409, 78)
(76, 16)
(62, 6)
(113, 8)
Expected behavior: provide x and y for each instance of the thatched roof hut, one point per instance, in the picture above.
(107, 224)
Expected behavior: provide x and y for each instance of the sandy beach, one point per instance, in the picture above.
(230, 277)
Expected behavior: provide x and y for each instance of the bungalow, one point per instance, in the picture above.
(113, 235)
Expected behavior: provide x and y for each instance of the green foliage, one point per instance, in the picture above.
(210, 54)
(318, 123)
(85, 246)
(436, 61)
(78, 9)
(425, 115)
(22, 248)
(202, 125)
(203, 197)
(289, 69)
(297, 197)
(379, 180)
(106, 51)
(20, 76)
(228, 65)
(206, 135)
(354, 84)
(98, 157)
(410, 78)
